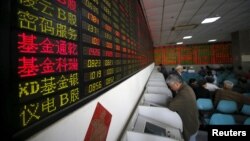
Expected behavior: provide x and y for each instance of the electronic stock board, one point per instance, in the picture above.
(64, 53)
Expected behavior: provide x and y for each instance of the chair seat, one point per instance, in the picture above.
(204, 104)
(227, 106)
(222, 119)
(247, 121)
(245, 109)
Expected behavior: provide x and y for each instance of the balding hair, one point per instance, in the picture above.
(228, 84)
(173, 78)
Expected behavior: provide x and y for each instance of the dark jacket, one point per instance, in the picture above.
(163, 71)
(231, 95)
(201, 92)
(184, 104)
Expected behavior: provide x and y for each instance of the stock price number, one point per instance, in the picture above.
(91, 51)
(93, 18)
(109, 80)
(91, 28)
(93, 63)
(109, 71)
(94, 86)
(93, 75)
(108, 63)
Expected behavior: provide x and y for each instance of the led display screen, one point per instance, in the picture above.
(65, 53)
(219, 53)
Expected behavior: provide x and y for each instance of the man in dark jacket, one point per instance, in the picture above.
(228, 94)
(184, 103)
(163, 70)
(201, 91)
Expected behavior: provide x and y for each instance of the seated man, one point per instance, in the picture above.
(193, 83)
(227, 94)
(163, 70)
(210, 85)
(201, 91)
(179, 70)
(184, 103)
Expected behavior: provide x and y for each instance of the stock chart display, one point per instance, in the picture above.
(219, 53)
(65, 52)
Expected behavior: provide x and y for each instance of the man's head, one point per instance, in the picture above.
(174, 82)
(192, 82)
(228, 84)
(179, 68)
(202, 82)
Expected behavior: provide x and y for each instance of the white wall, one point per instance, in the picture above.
(119, 101)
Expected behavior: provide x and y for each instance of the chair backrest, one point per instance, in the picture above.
(227, 106)
(221, 119)
(247, 121)
(245, 109)
(204, 104)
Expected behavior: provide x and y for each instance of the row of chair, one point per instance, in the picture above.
(224, 106)
(225, 119)
(223, 113)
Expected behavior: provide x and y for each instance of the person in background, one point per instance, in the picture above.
(179, 70)
(193, 83)
(172, 71)
(210, 85)
(163, 70)
(209, 76)
(243, 86)
(215, 77)
(184, 69)
(201, 91)
(239, 72)
(227, 94)
(202, 72)
(184, 103)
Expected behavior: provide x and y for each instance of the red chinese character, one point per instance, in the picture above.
(61, 47)
(27, 43)
(73, 64)
(47, 66)
(61, 64)
(28, 67)
(72, 5)
(72, 49)
(64, 2)
(47, 46)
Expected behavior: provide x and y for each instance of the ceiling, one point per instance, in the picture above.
(163, 15)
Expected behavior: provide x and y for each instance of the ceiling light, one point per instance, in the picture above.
(179, 43)
(210, 20)
(187, 37)
(212, 40)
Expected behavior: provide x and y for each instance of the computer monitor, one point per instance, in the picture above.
(154, 129)
(146, 125)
